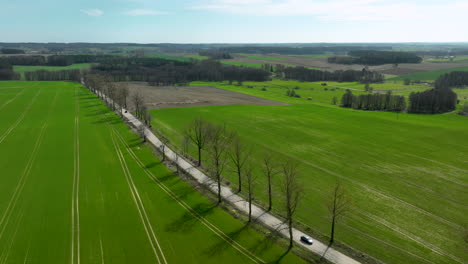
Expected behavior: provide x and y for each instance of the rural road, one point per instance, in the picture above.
(238, 202)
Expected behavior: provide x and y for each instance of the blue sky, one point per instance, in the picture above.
(233, 21)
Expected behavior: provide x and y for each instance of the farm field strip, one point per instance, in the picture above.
(94, 205)
(158, 253)
(12, 99)
(187, 207)
(394, 195)
(75, 213)
(20, 118)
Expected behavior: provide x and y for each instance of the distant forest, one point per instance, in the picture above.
(6, 71)
(311, 75)
(374, 102)
(374, 57)
(297, 51)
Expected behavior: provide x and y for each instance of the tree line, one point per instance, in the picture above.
(441, 98)
(57, 60)
(225, 149)
(44, 75)
(374, 102)
(452, 79)
(311, 75)
(298, 50)
(6, 71)
(11, 51)
(436, 100)
(215, 54)
(375, 57)
(170, 72)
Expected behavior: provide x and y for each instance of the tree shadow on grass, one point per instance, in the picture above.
(187, 221)
(224, 244)
(152, 164)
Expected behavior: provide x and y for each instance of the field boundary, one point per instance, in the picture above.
(187, 207)
(139, 204)
(261, 216)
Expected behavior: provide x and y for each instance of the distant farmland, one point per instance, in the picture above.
(428, 76)
(74, 176)
(406, 174)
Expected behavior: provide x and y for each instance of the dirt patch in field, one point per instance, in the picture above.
(323, 64)
(157, 97)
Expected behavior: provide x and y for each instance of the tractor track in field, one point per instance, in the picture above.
(187, 207)
(371, 189)
(75, 212)
(139, 205)
(4, 258)
(12, 99)
(21, 117)
(21, 183)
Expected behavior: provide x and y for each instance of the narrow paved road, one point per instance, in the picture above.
(258, 213)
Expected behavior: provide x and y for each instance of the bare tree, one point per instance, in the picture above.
(124, 94)
(197, 132)
(185, 145)
(142, 132)
(251, 180)
(164, 142)
(338, 206)
(138, 101)
(269, 170)
(239, 154)
(218, 140)
(292, 195)
(148, 118)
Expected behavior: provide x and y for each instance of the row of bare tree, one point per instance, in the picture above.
(222, 147)
(117, 96)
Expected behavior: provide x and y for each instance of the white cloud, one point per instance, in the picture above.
(340, 10)
(144, 12)
(92, 12)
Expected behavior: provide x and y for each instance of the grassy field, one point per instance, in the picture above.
(276, 90)
(461, 59)
(196, 56)
(406, 174)
(77, 186)
(240, 63)
(427, 76)
(257, 57)
(166, 56)
(22, 69)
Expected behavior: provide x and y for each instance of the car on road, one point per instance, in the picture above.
(307, 240)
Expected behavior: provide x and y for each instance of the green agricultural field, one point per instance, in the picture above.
(276, 90)
(389, 85)
(195, 56)
(257, 57)
(427, 76)
(78, 187)
(314, 56)
(22, 69)
(166, 56)
(240, 63)
(406, 174)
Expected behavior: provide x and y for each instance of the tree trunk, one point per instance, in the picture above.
(199, 156)
(250, 208)
(219, 188)
(332, 236)
(240, 180)
(269, 194)
(290, 233)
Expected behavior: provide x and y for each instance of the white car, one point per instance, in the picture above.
(307, 240)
